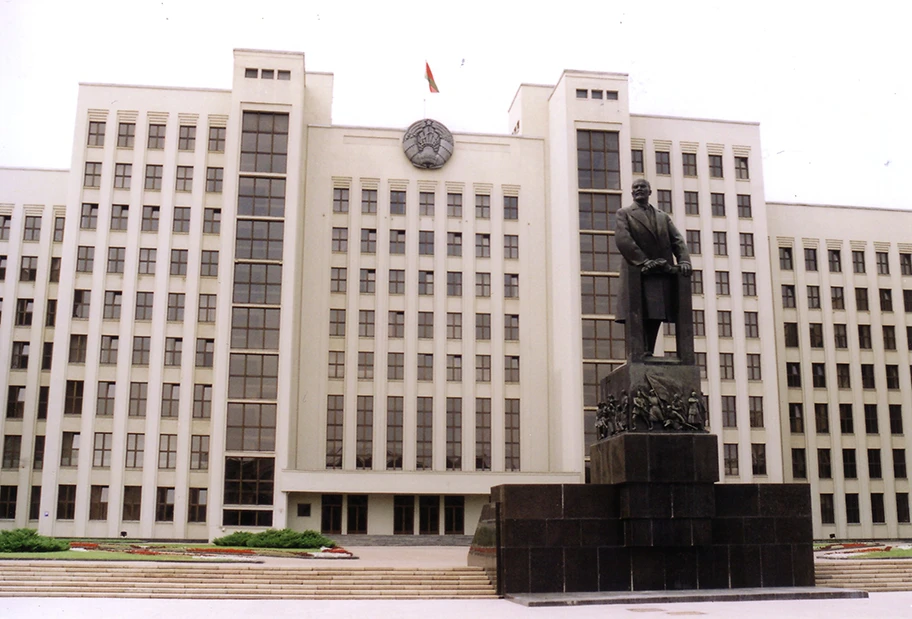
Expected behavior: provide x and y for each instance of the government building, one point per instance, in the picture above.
(231, 313)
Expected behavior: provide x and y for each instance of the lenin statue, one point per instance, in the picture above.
(651, 244)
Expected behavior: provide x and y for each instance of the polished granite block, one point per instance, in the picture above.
(633, 457)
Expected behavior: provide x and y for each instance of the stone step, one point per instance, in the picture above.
(249, 582)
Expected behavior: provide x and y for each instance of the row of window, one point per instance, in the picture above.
(126, 134)
(113, 302)
(720, 243)
(837, 298)
(267, 74)
(151, 215)
(424, 367)
(354, 506)
(689, 164)
(425, 243)
(98, 503)
(841, 338)
(123, 177)
(105, 400)
(843, 375)
(102, 449)
(834, 259)
(825, 463)
(338, 282)
(142, 345)
(426, 203)
(85, 261)
(846, 418)
(424, 453)
(396, 330)
(853, 511)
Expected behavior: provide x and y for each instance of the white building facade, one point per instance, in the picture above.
(269, 320)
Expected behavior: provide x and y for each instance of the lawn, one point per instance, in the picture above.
(895, 553)
(102, 555)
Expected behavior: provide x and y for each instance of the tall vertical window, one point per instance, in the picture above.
(397, 202)
(511, 434)
(744, 206)
(454, 434)
(598, 160)
(340, 200)
(364, 432)
(424, 455)
(186, 138)
(369, 201)
(691, 203)
(636, 160)
(741, 170)
(92, 177)
(689, 163)
(663, 162)
(426, 203)
(394, 429)
(715, 166)
(454, 205)
(264, 142)
(96, 133)
(482, 206)
(156, 137)
(217, 139)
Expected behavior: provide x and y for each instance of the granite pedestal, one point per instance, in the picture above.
(653, 519)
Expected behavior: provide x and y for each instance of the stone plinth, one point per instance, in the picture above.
(657, 521)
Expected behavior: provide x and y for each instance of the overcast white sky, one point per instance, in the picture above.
(830, 82)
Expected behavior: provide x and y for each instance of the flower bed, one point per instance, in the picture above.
(222, 551)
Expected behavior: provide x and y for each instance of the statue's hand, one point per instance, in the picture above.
(686, 269)
(652, 265)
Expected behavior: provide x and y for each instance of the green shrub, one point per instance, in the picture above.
(238, 538)
(28, 540)
(274, 538)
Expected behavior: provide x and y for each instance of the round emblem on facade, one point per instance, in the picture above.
(427, 144)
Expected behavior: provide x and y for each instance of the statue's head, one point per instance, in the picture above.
(641, 190)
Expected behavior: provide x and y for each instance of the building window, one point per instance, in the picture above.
(896, 422)
(85, 259)
(758, 459)
(214, 179)
(88, 219)
(785, 258)
(340, 200)
(425, 366)
(511, 327)
(364, 432)
(729, 412)
(164, 504)
(715, 166)
(186, 139)
(454, 205)
(717, 202)
(689, 163)
(511, 285)
(25, 310)
(184, 178)
(28, 269)
(730, 458)
(69, 449)
(693, 241)
(122, 174)
(796, 418)
(755, 410)
(744, 206)
(167, 451)
(886, 300)
(66, 502)
(663, 162)
(664, 200)
(205, 352)
(753, 367)
(818, 375)
(846, 423)
(108, 351)
(747, 245)
(824, 464)
(454, 326)
(202, 401)
(59, 226)
(197, 504)
(212, 221)
(92, 177)
(751, 325)
(722, 283)
(636, 160)
(853, 513)
(858, 261)
(727, 366)
(883, 263)
(454, 434)
(827, 510)
(799, 464)
(748, 284)
(96, 133)
(32, 229)
(861, 299)
(511, 207)
(126, 134)
(482, 206)
(741, 170)
(150, 218)
(334, 431)
(454, 368)
(173, 349)
(426, 203)
(813, 295)
(720, 243)
(395, 366)
(199, 452)
(788, 296)
(101, 453)
(849, 465)
(264, 142)
(834, 258)
(156, 137)
(899, 463)
(179, 259)
(725, 323)
(138, 398)
(209, 262)
(892, 372)
(815, 330)
(369, 201)
(889, 337)
(217, 139)
(397, 202)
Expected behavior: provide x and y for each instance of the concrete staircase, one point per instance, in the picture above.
(238, 581)
(867, 575)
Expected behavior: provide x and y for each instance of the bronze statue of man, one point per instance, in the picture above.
(651, 244)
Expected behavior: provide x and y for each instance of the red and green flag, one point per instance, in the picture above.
(430, 78)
